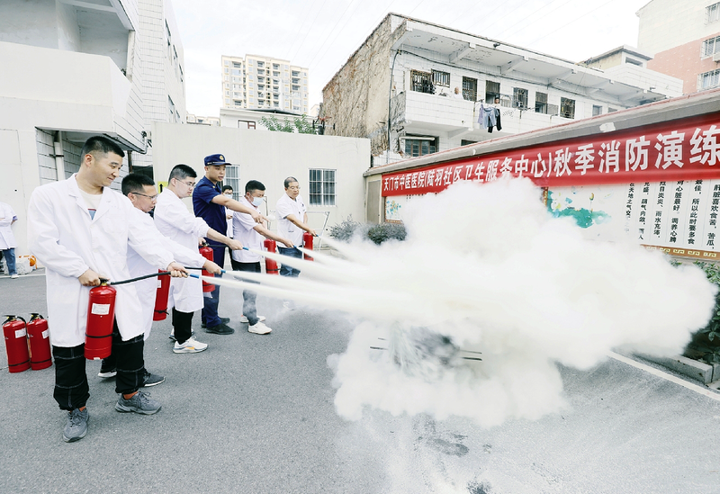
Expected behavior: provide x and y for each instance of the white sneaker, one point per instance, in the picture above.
(259, 328)
(14, 276)
(191, 345)
(245, 319)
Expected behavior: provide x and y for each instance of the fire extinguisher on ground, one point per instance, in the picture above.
(39, 340)
(271, 266)
(16, 346)
(308, 244)
(207, 253)
(100, 320)
(161, 297)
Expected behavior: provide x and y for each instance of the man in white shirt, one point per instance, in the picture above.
(175, 221)
(7, 239)
(141, 191)
(80, 230)
(292, 221)
(251, 235)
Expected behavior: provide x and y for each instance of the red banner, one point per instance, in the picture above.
(685, 149)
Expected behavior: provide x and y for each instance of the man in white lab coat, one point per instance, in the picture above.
(7, 239)
(141, 191)
(175, 221)
(80, 230)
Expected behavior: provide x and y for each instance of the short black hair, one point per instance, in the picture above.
(134, 182)
(227, 187)
(182, 172)
(289, 180)
(253, 185)
(100, 144)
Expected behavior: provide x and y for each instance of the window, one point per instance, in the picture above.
(597, 110)
(710, 79)
(541, 105)
(246, 124)
(420, 146)
(232, 178)
(322, 187)
(712, 12)
(567, 108)
(611, 110)
(421, 82)
(171, 109)
(441, 78)
(469, 89)
(492, 91)
(633, 62)
(465, 142)
(710, 46)
(520, 98)
(237, 65)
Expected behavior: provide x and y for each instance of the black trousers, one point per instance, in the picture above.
(182, 324)
(71, 383)
(249, 296)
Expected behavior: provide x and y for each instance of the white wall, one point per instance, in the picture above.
(665, 24)
(270, 157)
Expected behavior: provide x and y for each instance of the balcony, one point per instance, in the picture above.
(447, 117)
(106, 103)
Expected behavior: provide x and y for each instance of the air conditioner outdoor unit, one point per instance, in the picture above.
(716, 57)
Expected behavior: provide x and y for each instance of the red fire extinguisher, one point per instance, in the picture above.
(100, 319)
(207, 253)
(271, 266)
(16, 345)
(161, 297)
(308, 244)
(39, 339)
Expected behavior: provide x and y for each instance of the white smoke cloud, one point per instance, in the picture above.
(485, 268)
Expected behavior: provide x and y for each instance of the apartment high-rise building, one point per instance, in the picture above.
(257, 82)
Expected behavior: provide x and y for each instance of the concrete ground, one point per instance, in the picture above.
(254, 414)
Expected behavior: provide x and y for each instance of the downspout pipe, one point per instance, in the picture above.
(392, 70)
(59, 156)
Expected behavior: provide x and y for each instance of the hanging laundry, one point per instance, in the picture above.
(487, 117)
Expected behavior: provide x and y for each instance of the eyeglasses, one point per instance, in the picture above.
(294, 188)
(145, 195)
(190, 185)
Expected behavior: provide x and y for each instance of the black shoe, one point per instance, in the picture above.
(223, 320)
(151, 379)
(220, 329)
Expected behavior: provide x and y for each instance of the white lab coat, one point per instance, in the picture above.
(68, 242)
(147, 289)
(174, 221)
(7, 215)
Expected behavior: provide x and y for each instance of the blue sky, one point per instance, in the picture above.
(322, 34)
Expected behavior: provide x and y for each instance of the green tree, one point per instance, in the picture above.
(301, 124)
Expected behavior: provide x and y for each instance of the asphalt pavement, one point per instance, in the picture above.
(255, 414)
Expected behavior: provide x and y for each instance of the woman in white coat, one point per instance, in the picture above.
(80, 230)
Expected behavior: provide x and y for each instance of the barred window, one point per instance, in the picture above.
(710, 46)
(420, 146)
(441, 78)
(469, 89)
(710, 79)
(567, 108)
(712, 12)
(421, 82)
(520, 97)
(322, 187)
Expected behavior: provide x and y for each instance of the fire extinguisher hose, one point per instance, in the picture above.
(144, 277)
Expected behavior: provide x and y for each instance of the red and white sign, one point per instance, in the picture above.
(685, 149)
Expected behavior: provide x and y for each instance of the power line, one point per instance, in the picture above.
(330, 32)
(308, 31)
